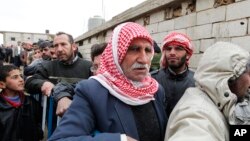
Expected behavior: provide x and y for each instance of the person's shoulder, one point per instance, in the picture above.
(90, 87)
(158, 73)
(88, 83)
(84, 61)
(191, 72)
(47, 63)
(154, 72)
(161, 89)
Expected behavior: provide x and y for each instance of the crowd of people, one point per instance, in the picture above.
(24, 53)
(116, 97)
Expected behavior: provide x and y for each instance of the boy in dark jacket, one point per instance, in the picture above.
(20, 115)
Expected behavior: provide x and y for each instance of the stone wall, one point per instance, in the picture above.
(204, 21)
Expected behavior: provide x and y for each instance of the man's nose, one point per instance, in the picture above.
(59, 47)
(143, 57)
(172, 51)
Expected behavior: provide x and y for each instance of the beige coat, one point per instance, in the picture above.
(202, 114)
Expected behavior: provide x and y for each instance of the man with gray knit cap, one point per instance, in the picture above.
(222, 83)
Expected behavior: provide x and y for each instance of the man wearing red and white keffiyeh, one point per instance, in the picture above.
(111, 74)
(122, 102)
(175, 75)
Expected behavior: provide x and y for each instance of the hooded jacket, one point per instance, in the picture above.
(203, 112)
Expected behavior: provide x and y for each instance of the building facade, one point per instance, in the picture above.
(205, 21)
(11, 38)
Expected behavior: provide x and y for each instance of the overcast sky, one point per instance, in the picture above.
(70, 16)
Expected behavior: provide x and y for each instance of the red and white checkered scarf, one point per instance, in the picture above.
(110, 74)
(175, 38)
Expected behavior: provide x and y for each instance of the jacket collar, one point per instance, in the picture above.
(171, 74)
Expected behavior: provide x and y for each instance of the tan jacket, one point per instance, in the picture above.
(202, 114)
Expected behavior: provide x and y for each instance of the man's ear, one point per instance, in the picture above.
(2, 85)
(188, 57)
(74, 46)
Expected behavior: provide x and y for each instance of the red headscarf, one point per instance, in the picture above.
(175, 38)
(110, 74)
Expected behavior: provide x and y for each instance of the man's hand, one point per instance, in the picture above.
(62, 105)
(46, 88)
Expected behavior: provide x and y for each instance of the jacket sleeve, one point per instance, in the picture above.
(34, 83)
(63, 89)
(79, 122)
(193, 124)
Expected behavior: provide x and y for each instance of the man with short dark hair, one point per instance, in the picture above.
(68, 66)
(95, 53)
(45, 47)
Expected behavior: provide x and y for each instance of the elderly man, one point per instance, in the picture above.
(223, 81)
(122, 102)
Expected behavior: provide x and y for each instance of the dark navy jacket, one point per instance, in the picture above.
(93, 108)
(174, 85)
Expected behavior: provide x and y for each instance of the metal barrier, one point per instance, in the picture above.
(54, 80)
(44, 112)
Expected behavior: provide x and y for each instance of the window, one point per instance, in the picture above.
(12, 38)
(146, 20)
(80, 43)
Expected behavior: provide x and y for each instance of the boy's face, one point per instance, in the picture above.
(14, 81)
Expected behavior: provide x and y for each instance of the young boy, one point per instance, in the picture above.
(20, 115)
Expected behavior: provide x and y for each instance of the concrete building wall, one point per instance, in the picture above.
(13, 37)
(204, 21)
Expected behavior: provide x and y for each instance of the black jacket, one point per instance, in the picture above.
(21, 124)
(174, 85)
(2, 53)
(55, 71)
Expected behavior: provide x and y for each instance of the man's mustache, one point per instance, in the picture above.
(140, 66)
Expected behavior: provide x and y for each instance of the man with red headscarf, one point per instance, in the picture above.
(122, 101)
(174, 74)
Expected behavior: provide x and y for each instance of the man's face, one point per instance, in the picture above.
(14, 81)
(96, 64)
(64, 49)
(28, 46)
(176, 56)
(37, 54)
(137, 60)
(53, 53)
(241, 85)
(46, 53)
